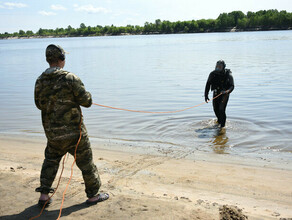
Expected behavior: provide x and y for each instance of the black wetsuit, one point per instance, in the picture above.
(220, 81)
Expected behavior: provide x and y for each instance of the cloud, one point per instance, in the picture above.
(12, 5)
(47, 13)
(90, 9)
(58, 8)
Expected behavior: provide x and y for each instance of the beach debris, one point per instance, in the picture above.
(12, 169)
(231, 213)
(20, 168)
(200, 201)
(276, 214)
(185, 198)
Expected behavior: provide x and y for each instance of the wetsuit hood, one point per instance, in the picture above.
(220, 66)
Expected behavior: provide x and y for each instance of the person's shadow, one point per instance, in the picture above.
(46, 215)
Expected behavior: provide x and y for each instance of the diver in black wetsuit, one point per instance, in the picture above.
(221, 81)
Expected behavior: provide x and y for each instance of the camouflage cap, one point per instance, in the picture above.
(55, 52)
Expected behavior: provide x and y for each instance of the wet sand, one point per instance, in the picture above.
(143, 185)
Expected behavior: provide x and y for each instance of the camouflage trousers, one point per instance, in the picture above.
(54, 152)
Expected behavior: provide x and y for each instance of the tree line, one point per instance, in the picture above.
(261, 20)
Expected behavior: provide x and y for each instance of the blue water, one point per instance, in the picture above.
(163, 73)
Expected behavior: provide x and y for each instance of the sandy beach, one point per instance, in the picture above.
(143, 185)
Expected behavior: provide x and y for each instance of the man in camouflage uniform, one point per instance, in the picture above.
(59, 95)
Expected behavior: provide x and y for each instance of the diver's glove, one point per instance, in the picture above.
(207, 98)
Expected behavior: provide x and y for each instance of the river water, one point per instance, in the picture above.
(163, 73)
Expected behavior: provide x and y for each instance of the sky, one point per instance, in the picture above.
(32, 15)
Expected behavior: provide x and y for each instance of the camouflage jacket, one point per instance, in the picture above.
(59, 95)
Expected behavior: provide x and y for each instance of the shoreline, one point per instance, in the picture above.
(144, 184)
(282, 160)
(154, 33)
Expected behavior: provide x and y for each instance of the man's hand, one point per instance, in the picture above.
(207, 99)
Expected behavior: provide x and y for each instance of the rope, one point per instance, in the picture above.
(63, 163)
(150, 112)
(105, 106)
(64, 193)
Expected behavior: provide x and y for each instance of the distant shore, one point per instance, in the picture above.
(235, 21)
(234, 29)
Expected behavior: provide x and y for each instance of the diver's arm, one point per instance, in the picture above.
(208, 84)
(207, 87)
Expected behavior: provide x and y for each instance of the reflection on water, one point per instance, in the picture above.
(220, 141)
(216, 135)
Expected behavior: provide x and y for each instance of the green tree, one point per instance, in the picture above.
(225, 21)
(29, 33)
(21, 33)
(242, 23)
(178, 27)
(148, 28)
(40, 32)
(193, 26)
(138, 29)
(158, 25)
(235, 16)
(82, 26)
(167, 27)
